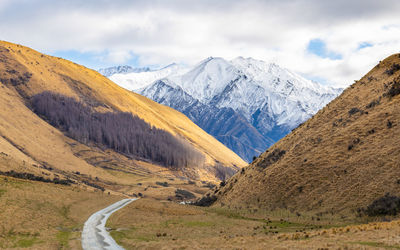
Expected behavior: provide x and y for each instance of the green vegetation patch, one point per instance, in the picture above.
(26, 242)
(231, 214)
(198, 223)
(15, 239)
(63, 238)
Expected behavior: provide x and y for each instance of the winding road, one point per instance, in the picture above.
(95, 235)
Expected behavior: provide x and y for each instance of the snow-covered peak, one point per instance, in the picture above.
(208, 78)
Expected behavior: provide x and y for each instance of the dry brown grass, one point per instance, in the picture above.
(149, 224)
(336, 162)
(45, 216)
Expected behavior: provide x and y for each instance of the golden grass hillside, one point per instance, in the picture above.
(340, 160)
(25, 72)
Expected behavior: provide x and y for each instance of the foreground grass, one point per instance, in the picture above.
(45, 216)
(148, 223)
(376, 245)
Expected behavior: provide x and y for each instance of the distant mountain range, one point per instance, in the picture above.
(122, 70)
(245, 103)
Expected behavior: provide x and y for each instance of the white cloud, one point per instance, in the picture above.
(160, 32)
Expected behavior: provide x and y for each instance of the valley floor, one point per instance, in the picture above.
(38, 215)
(151, 224)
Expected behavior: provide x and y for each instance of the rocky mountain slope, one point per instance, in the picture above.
(48, 145)
(246, 104)
(340, 161)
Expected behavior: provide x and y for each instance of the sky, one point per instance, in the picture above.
(333, 42)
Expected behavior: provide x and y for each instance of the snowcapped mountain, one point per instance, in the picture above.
(137, 80)
(121, 70)
(245, 103)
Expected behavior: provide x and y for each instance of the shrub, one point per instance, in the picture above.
(184, 194)
(163, 184)
(273, 157)
(389, 124)
(206, 201)
(393, 68)
(32, 177)
(386, 205)
(354, 111)
(120, 131)
(94, 185)
(372, 104)
(394, 90)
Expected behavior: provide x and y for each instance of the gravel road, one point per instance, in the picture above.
(95, 235)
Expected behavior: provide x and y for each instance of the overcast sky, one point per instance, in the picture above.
(332, 41)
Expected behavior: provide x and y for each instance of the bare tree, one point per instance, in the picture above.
(120, 131)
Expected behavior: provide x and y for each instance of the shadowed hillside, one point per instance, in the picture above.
(120, 131)
(343, 160)
(25, 73)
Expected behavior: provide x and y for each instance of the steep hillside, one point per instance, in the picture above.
(25, 136)
(339, 161)
(267, 100)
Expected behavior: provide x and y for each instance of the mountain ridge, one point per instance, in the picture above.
(271, 100)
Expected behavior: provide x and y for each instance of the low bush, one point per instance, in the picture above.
(32, 177)
(373, 104)
(206, 201)
(393, 68)
(163, 184)
(386, 205)
(273, 157)
(354, 111)
(389, 124)
(184, 194)
(394, 90)
(93, 185)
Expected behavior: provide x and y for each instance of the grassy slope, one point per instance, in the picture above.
(319, 172)
(41, 142)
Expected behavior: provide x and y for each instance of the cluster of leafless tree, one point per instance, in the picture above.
(120, 131)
